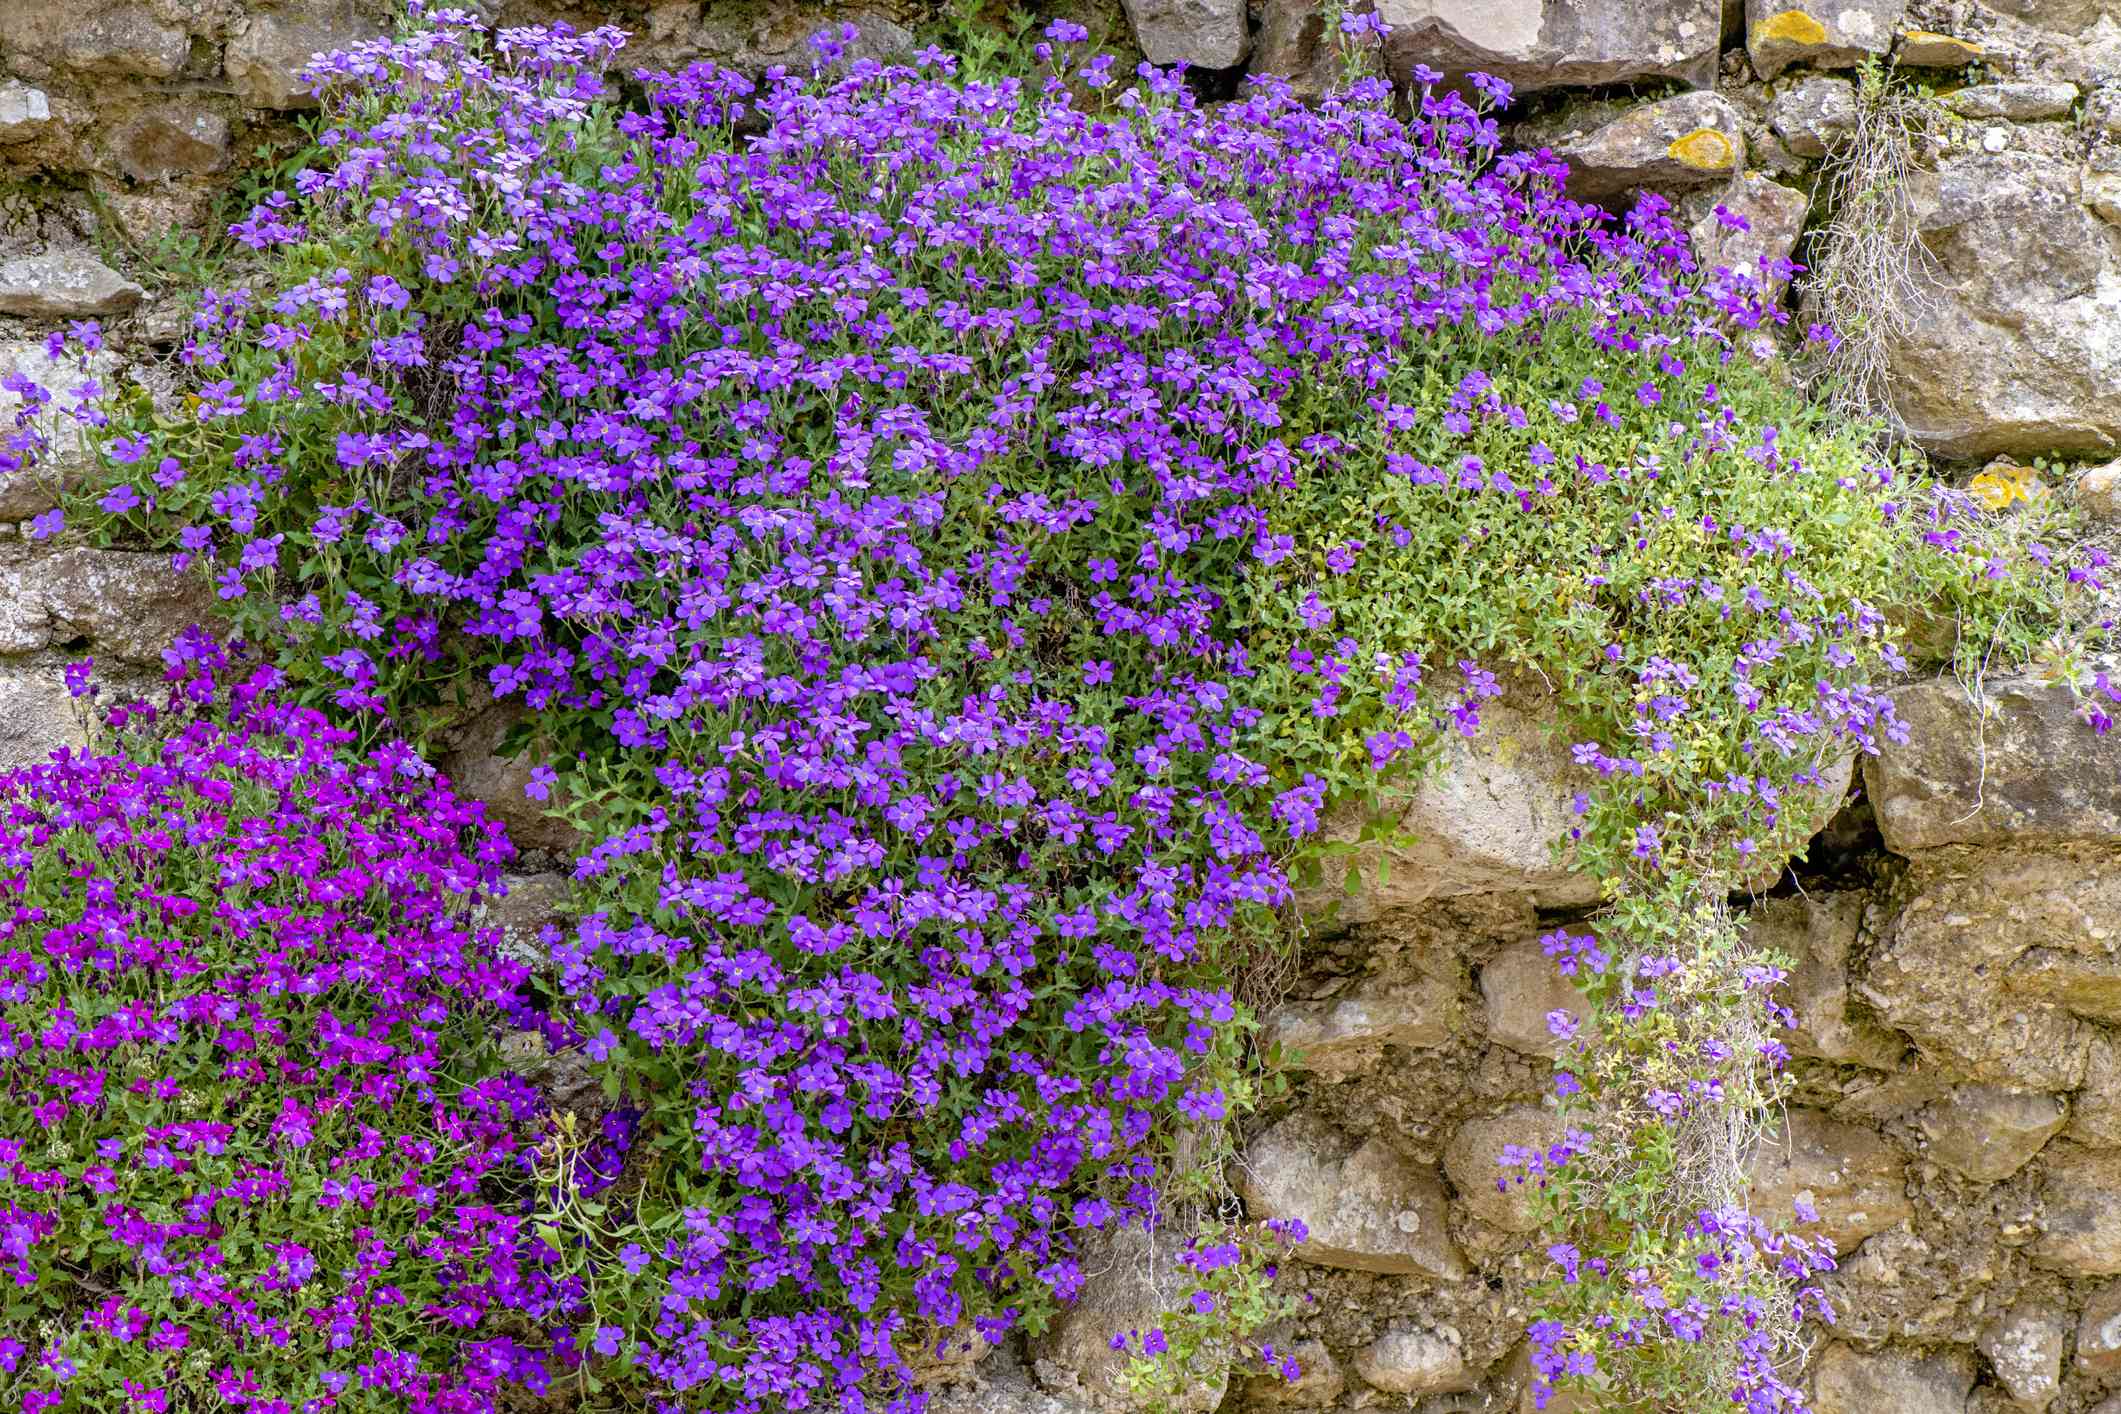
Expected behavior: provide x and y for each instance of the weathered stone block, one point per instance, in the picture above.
(1774, 217)
(2022, 102)
(1130, 1280)
(2081, 1213)
(1691, 140)
(1366, 1208)
(2099, 1333)
(1473, 1161)
(1817, 933)
(266, 57)
(2024, 1346)
(1927, 49)
(114, 37)
(125, 605)
(1539, 44)
(69, 284)
(1815, 115)
(1849, 1381)
(1417, 1361)
(1519, 988)
(1318, 1381)
(1830, 34)
(1989, 1133)
(1341, 1035)
(1207, 34)
(37, 717)
(25, 113)
(173, 141)
(1853, 1179)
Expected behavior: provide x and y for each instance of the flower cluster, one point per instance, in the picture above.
(253, 1151)
(958, 539)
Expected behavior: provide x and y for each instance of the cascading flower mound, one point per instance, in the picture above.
(955, 540)
(254, 1153)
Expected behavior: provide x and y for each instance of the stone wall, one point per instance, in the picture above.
(1957, 924)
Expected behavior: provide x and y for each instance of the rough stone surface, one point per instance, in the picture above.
(1483, 821)
(2099, 1333)
(1774, 216)
(1208, 34)
(1849, 1381)
(25, 112)
(2024, 1347)
(1131, 1279)
(1693, 139)
(2021, 102)
(1854, 1180)
(69, 284)
(264, 60)
(1815, 115)
(1988, 1133)
(30, 491)
(2098, 491)
(37, 716)
(1319, 1380)
(1416, 1361)
(1291, 43)
(173, 141)
(478, 770)
(1519, 987)
(1817, 934)
(114, 37)
(1927, 49)
(126, 606)
(1540, 44)
(2017, 347)
(1343, 1034)
(1829, 34)
(1474, 1165)
(2081, 1213)
(755, 35)
(2095, 1110)
(2025, 770)
(1366, 1208)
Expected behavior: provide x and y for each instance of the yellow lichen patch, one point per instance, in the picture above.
(1791, 27)
(1705, 148)
(1927, 49)
(2001, 484)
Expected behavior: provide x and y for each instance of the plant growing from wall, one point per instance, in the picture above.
(963, 535)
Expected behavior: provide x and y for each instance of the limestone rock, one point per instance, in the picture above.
(173, 142)
(37, 717)
(1774, 218)
(125, 605)
(2026, 772)
(2099, 1333)
(1484, 820)
(2024, 1346)
(753, 36)
(1853, 1179)
(1291, 44)
(2095, 1111)
(2017, 347)
(532, 901)
(2021, 102)
(1817, 934)
(1207, 34)
(1989, 1133)
(1002, 1386)
(112, 37)
(2086, 986)
(2081, 1207)
(1927, 49)
(1540, 44)
(1830, 34)
(64, 284)
(25, 112)
(1343, 1034)
(1848, 1381)
(479, 770)
(2098, 491)
(1367, 1209)
(1519, 987)
(1691, 140)
(1417, 1361)
(1814, 115)
(265, 59)
(1318, 1381)
(1943, 970)
(30, 491)
(1130, 1280)
(1474, 1164)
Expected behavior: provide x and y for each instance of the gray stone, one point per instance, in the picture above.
(2080, 1201)
(1207, 34)
(173, 142)
(64, 284)
(1366, 1208)
(265, 58)
(1849, 1381)
(2025, 772)
(2089, 987)
(479, 771)
(1130, 1280)
(2097, 491)
(25, 112)
(124, 605)
(1414, 1360)
(2099, 1335)
(1829, 34)
(1988, 1133)
(532, 902)
(1485, 819)
(1344, 1034)
(2021, 102)
(2095, 1110)
(115, 37)
(1927, 49)
(2014, 346)
(68, 454)
(1817, 934)
(1774, 219)
(1318, 1381)
(1855, 1181)
(1519, 987)
(1691, 140)
(753, 36)
(1815, 115)
(1540, 44)
(1291, 44)
(37, 717)
(2024, 1347)
(1943, 970)
(1474, 1163)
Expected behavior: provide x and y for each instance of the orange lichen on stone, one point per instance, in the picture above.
(1928, 49)
(1704, 148)
(1791, 27)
